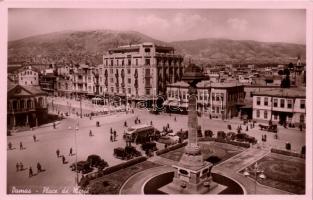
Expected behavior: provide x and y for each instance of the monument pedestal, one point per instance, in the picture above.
(193, 180)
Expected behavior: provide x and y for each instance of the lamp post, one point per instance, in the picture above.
(257, 171)
(76, 151)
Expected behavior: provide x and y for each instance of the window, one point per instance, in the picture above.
(117, 62)
(282, 103)
(217, 109)
(217, 97)
(128, 71)
(112, 89)
(129, 61)
(111, 62)
(289, 103)
(111, 80)
(265, 114)
(275, 116)
(111, 71)
(147, 91)
(266, 101)
(147, 61)
(122, 62)
(136, 62)
(275, 102)
(213, 96)
(302, 104)
(129, 90)
(258, 113)
(106, 62)
(258, 101)
(213, 109)
(147, 50)
(129, 80)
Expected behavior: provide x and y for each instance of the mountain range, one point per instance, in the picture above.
(80, 46)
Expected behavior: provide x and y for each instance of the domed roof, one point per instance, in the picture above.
(193, 73)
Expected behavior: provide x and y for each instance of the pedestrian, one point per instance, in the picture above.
(21, 166)
(39, 169)
(58, 153)
(247, 128)
(17, 166)
(71, 152)
(63, 159)
(111, 138)
(54, 125)
(30, 172)
(10, 145)
(125, 124)
(175, 118)
(111, 130)
(34, 137)
(21, 146)
(90, 133)
(151, 123)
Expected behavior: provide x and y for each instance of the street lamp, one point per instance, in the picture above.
(258, 173)
(76, 151)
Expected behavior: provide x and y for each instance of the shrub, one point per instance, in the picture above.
(303, 150)
(124, 165)
(93, 160)
(208, 133)
(171, 148)
(221, 134)
(214, 159)
(288, 146)
(287, 153)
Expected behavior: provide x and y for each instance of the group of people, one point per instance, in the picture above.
(20, 167)
(62, 156)
(113, 135)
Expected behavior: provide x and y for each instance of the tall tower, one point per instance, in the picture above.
(192, 174)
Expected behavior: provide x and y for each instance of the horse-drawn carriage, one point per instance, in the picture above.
(269, 128)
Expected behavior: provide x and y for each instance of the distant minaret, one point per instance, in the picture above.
(299, 61)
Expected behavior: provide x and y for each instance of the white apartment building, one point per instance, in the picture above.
(140, 70)
(280, 105)
(28, 76)
(216, 99)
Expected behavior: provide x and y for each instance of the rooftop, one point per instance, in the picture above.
(282, 92)
(206, 84)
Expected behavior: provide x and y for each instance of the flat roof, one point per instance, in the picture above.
(207, 84)
(282, 92)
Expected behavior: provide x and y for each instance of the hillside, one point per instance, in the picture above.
(89, 46)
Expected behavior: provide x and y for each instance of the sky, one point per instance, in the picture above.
(267, 25)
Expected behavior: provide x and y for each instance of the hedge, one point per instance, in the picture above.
(171, 148)
(112, 169)
(241, 144)
(287, 153)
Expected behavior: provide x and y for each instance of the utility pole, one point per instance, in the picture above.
(80, 106)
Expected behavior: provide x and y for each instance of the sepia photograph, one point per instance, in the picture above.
(156, 101)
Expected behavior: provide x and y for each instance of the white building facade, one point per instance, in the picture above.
(282, 105)
(140, 70)
(28, 76)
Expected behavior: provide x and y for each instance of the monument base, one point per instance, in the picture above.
(175, 188)
(193, 180)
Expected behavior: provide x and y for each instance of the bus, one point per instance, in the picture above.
(142, 133)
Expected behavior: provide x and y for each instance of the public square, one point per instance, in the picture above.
(59, 176)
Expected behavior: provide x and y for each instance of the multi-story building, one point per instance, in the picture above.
(27, 106)
(217, 99)
(65, 86)
(140, 70)
(28, 76)
(84, 81)
(282, 105)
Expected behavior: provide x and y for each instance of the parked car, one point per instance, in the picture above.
(82, 166)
